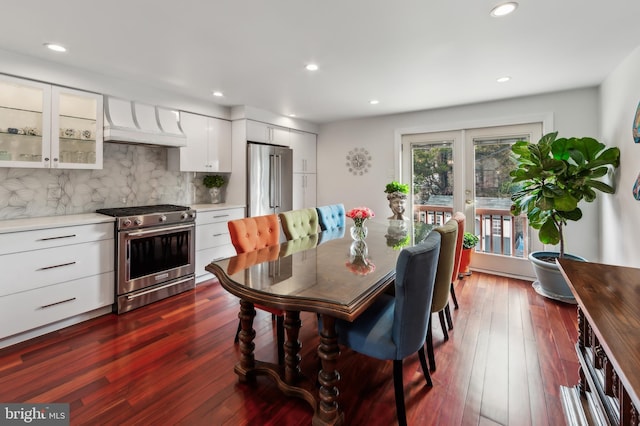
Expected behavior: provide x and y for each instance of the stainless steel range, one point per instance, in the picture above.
(155, 253)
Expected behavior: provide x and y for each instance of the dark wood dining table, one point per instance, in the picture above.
(329, 274)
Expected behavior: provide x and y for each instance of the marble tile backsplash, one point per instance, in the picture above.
(132, 175)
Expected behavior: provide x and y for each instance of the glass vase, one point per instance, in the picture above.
(359, 232)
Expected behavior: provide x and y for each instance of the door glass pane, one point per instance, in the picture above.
(500, 232)
(432, 181)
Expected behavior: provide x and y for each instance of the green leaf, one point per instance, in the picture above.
(549, 233)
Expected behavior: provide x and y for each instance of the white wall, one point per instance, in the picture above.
(574, 113)
(619, 97)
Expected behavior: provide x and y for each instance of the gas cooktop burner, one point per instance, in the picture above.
(147, 216)
(140, 210)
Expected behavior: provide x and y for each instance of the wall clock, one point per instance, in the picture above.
(358, 161)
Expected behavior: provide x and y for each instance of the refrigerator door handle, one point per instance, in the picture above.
(272, 181)
(279, 181)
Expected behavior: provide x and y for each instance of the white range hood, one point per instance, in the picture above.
(135, 122)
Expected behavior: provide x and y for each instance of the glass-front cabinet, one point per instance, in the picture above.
(45, 126)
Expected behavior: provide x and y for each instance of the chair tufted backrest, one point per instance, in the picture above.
(299, 223)
(331, 216)
(460, 218)
(449, 234)
(254, 233)
(415, 276)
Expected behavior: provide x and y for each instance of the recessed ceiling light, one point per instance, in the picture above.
(374, 102)
(504, 9)
(503, 79)
(311, 67)
(292, 115)
(218, 94)
(55, 47)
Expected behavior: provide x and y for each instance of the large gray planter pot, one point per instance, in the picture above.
(550, 282)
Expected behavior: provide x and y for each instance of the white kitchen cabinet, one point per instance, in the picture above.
(208, 145)
(50, 275)
(303, 145)
(212, 236)
(267, 133)
(304, 190)
(45, 126)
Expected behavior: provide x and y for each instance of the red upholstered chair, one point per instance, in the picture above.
(255, 233)
(460, 218)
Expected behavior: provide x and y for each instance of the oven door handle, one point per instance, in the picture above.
(157, 230)
(154, 289)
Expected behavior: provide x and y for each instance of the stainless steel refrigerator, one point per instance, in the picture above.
(269, 179)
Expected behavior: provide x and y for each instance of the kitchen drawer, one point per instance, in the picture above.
(30, 309)
(216, 216)
(14, 242)
(206, 256)
(39, 268)
(212, 235)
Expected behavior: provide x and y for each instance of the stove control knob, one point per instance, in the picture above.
(162, 218)
(193, 215)
(126, 222)
(137, 221)
(184, 215)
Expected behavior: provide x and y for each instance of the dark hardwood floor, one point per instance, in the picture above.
(172, 363)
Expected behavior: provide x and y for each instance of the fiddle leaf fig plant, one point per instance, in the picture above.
(553, 176)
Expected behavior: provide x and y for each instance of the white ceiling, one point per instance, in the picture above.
(408, 54)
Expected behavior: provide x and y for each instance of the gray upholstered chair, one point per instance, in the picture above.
(394, 327)
(442, 287)
(299, 223)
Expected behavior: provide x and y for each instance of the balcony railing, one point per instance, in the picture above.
(499, 231)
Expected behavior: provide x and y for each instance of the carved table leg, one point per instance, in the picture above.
(328, 351)
(246, 336)
(292, 347)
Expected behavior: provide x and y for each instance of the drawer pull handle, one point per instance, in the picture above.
(57, 303)
(57, 238)
(44, 268)
(218, 235)
(220, 215)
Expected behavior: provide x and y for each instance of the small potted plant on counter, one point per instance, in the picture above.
(469, 241)
(215, 184)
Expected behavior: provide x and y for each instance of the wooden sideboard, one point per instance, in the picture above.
(608, 344)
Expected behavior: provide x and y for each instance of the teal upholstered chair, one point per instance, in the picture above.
(442, 287)
(331, 217)
(299, 223)
(394, 327)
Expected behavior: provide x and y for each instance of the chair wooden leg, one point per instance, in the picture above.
(425, 368)
(443, 325)
(399, 391)
(237, 338)
(453, 296)
(429, 339)
(447, 314)
(280, 338)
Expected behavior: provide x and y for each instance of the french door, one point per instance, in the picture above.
(468, 170)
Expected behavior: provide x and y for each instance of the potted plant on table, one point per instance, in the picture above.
(469, 241)
(397, 196)
(554, 175)
(214, 183)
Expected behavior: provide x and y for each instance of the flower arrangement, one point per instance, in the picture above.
(361, 266)
(360, 214)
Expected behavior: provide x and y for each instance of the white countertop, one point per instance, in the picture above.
(33, 223)
(211, 207)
